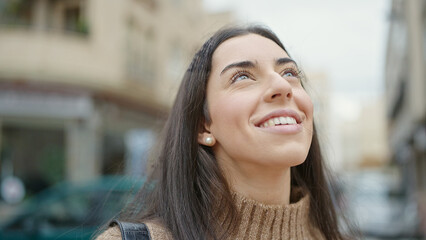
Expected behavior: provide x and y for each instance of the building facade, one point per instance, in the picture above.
(85, 85)
(406, 96)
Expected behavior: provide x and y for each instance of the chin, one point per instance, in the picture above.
(290, 158)
(291, 153)
(296, 162)
(282, 163)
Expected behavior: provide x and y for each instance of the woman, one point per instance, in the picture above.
(240, 158)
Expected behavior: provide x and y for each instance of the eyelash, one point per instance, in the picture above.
(238, 74)
(296, 73)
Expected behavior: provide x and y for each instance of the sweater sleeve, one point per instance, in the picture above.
(112, 233)
(158, 232)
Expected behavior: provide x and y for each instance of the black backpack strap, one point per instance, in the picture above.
(132, 231)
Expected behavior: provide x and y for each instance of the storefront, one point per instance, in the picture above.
(48, 135)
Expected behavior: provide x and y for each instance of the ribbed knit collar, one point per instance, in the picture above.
(261, 221)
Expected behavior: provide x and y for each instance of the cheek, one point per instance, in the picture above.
(305, 104)
(309, 107)
(229, 109)
(222, 117)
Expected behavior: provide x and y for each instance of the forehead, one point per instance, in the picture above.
(247, 47)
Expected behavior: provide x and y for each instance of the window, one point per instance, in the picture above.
(150, 4)
(74, 20)
(36, 155)
(176, 66)
(424, 33)
(16, 12)
(140, 52)
(71, 16)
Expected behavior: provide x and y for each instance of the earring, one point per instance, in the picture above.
(208, 140)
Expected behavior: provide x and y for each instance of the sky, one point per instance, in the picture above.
(346, 40)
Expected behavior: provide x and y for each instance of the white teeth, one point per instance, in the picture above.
(290, 120)
(279, 120)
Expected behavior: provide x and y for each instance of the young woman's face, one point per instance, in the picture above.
(259, 111)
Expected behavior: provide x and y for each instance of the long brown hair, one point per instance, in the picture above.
(188, 183)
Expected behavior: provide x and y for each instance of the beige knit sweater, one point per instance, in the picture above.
(259, 221)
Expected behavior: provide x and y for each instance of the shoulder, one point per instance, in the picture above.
(156, 230)
(112, 233)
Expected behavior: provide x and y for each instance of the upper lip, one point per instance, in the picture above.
(280, 113)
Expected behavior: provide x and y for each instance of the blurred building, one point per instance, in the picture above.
(406, 95)
(347, 142)
(373, 134)
(319, 89)
(361, 134)
(86, 84)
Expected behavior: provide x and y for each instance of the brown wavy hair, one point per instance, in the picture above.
(188, 182)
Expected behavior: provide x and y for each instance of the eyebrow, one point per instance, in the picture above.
(242, 64)
(249, 64)
(282, 61)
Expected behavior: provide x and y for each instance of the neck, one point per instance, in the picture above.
(268, 185)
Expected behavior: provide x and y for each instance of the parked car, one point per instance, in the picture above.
(70, 210)
(380, 208)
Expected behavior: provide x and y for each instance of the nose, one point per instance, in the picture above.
(278, 89)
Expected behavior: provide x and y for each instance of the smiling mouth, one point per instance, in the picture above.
(276, 121)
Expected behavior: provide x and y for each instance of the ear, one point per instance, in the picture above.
(205, 137)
